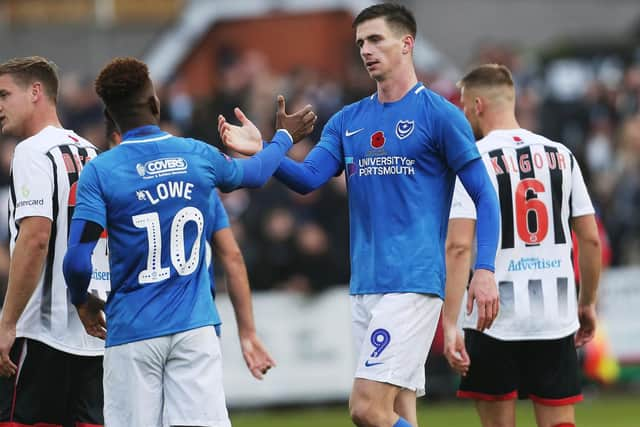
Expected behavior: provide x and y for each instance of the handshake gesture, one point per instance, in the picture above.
(246, 138)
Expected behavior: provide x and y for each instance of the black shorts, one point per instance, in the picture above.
(546, 371)
(52, 387)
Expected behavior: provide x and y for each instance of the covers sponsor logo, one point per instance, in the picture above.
(30, 203)
(162, 167)
(404, 128)
(25, 191)
(533, 263)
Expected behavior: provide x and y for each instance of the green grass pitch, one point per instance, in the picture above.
(609, 411)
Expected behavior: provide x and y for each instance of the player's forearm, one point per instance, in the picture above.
(458, 263)
(590, 260)
(25, 270)
(258, 169)
(239, 291)
(318, 167)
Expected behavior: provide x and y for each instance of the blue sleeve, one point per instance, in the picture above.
(252, 172)
(455, 137)
(76, 265)
(316, 169)
(219, 218)
(476, 181)
(331, 138)
(90, 200)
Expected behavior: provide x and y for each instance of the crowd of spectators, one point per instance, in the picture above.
(300, 243)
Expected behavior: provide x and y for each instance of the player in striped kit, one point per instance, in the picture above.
(529, 351)
(51, 368)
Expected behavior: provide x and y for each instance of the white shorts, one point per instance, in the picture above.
(392, 336)
(170, 380)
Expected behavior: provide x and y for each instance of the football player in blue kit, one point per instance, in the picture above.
(401, 149)
(152, 192)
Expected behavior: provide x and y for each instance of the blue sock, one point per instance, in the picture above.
(402, 423)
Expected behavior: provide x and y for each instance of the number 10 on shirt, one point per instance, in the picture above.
(155, 272)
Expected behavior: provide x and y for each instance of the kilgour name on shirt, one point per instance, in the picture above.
(523, 163)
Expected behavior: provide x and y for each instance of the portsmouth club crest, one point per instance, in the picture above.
(404, 128)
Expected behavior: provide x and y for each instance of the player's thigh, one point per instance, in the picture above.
(133, 379)
(399, 334)
(193, 387)
(497, 413)
(87, 391)
(38, 393)
(550, 372)
(493, 375)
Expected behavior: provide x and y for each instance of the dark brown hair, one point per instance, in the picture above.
(122, 81)
(395, 15)
(30, 69)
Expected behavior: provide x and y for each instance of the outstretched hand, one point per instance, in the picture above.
(245, 139)
(298, 124)
(256, 356)
(92, 317)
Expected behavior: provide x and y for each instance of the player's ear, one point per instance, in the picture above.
(407, 44)
(478, 104)
(36, 91)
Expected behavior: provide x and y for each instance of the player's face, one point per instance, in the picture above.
(380, 48)
(15, 106)
(468, 101)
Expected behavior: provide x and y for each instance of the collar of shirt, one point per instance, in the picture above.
(142, 132)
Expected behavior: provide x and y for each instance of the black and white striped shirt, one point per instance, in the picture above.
(44, 173)
(540, 188)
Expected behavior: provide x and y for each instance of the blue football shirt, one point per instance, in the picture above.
(400, 160)
(153, 194)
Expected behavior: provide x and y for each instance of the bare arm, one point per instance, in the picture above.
(225, 246)
(590, 260)
(458, 262)
(25, 270)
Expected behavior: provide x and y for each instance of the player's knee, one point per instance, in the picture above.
(365, 413)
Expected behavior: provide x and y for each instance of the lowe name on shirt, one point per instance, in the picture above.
(164, 191)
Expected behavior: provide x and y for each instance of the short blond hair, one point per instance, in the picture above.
(30, 69)
(487, 75)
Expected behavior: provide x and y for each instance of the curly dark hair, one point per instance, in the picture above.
(122, 81)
